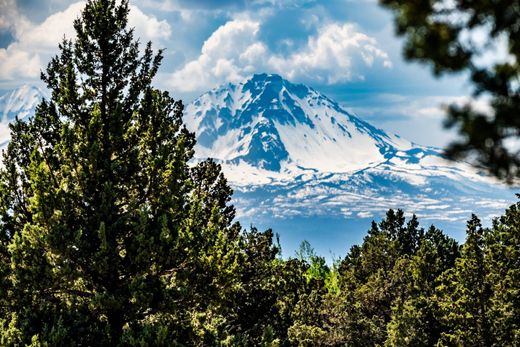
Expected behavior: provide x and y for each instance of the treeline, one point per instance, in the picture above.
(403, 286)
(408, 287)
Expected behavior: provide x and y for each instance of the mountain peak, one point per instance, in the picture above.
(266, 77)
(274, 83)
(272, 124)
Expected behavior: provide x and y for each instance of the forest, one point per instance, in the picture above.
(111, 236)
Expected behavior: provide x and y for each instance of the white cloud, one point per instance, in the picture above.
(10, 18)
(5, 131)
(365, 214)
(435, 106)
(13, 60)
(16, 63)
(44, 37)
(225, 56)
(431, 107)
(35, 43)
(337, 53)
(148, 28)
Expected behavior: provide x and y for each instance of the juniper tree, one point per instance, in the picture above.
(415, 320)
(107, 235)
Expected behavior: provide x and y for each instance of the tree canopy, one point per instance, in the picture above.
(109, 236)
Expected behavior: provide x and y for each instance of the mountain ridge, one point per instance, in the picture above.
(277, 127)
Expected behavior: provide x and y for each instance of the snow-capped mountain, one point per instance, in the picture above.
(291, 152)
(303, 165)
(282, 130)
(269, 123)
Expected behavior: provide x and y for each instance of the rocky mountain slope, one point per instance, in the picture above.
(291, 151)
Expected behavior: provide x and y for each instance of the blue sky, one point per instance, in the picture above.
(344, 48)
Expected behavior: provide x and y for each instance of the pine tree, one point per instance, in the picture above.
(254, 316)
(108, 237)
(464, 293)
(415, 319)
(503, 264)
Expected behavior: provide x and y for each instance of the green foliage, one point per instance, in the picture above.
(110, 236)
(415, 319)
(453, 36)
(464, 293)
(503, 274)
(318, 269)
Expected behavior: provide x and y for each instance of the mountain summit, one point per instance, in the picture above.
(273, 124)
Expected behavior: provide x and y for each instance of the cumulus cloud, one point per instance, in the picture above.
(337, 53)
(16, 63)
(10, 18)
(148, 28)
(34, 43)
(225, 56)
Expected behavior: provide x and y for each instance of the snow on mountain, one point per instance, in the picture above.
(272, 124)
(290, 151)
(20, 102)
(282, 130)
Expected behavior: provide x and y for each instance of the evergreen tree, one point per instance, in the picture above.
(464, 293)
(107, 236)
(371, 278)
(258, 312)
(503, 264)
(307, 327)
(415, 319)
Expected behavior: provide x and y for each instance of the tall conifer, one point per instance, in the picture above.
(107, 234)
(464, 293)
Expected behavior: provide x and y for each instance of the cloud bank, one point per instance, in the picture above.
(337, 53)
(35, 43)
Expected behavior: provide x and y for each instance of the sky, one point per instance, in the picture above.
(346, 49)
